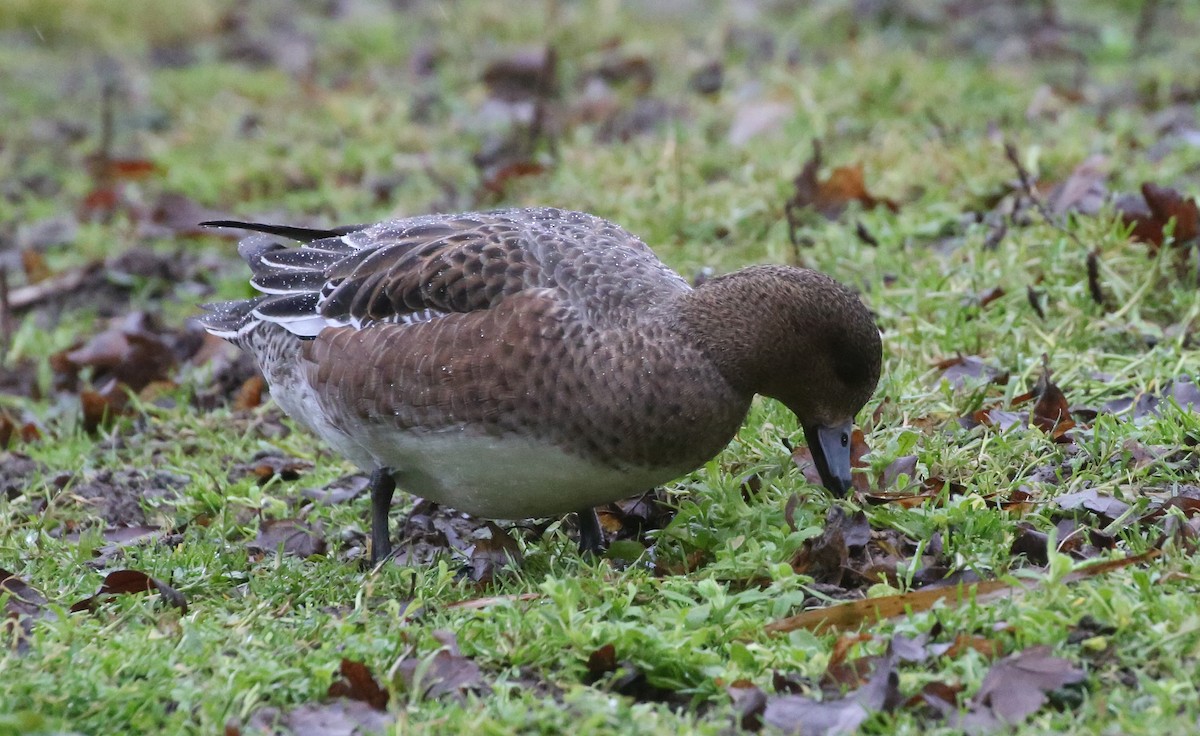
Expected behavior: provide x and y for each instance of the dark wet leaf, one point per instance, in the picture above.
(1052, 412)
(1035, 301)
(1015, 688)
(343, 489)
(961, 369)
(633, 517)
(826, 557)
(290, 537)
(524, 75)
(796, 714)
(601, 662)
(494, 550)
(906, 465)
(707, 80)
(1159, 206)
(127, 582)
(23, 604)
(268, 465)
(341, 716)
(749, 704)
(1109, 509)
(356, 683)
(446, 672)
(1031, 543)
(180, 215)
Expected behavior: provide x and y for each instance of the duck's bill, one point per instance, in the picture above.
(830, 448)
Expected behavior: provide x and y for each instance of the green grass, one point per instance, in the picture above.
(921, 101)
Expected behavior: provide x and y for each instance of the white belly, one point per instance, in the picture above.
(504, 478)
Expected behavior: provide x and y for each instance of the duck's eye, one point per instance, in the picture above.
(845, 439)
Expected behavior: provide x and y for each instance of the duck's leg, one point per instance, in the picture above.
(591, 539)
(383, 485)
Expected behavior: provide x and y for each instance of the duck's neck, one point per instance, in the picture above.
(739, 323)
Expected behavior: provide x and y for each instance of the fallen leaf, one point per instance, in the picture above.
(23, 604)
(341, 716)
(356, 683)
(291, 537)
(523, 75)
(831, 196)
(855, 614)
(1084, 191)
(1052, 413)
(749, 704)
(1015, 688)
(124, 582)
(960, 370)
(1109, 509)
(268, 465)
(493, 550)
(796, 714)
(446, 672)
(824, 558)
(1150, 218)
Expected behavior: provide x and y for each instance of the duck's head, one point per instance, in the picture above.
(797, 336)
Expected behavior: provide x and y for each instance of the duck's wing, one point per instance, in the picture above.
(418, 269)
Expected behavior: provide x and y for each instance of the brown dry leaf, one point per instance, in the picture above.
(12, 430)
(1015, 688)
(854, 614)
(356, 683)
(290, 536)
(831, 196)
(476, 604)
(1151, 216)
(1052, 412)
(250, 394)
(444, 673)
(35, 266)
(118, 538)
(124, 582)
(23, 604)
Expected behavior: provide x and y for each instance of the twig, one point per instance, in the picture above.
(6, 326)
(1010, 152)
(1145, 25)
(27, 296)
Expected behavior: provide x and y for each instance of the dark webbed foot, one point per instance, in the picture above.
(383, 485)
(591, 539)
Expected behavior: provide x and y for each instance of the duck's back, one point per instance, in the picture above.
(547, 326)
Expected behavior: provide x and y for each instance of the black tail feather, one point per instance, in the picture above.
(299, 234)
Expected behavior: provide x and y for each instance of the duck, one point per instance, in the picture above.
(528, 363)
